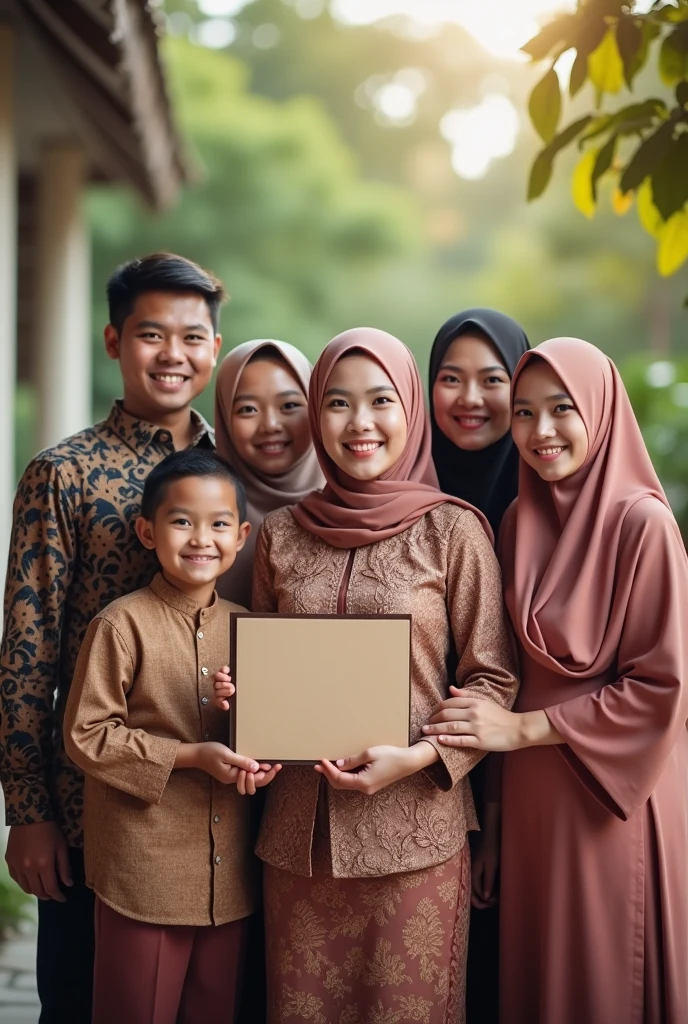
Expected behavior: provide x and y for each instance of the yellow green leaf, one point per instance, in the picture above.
(605, 66)
(581, 183)
(648, 214)
(673, 244)
(621, 202)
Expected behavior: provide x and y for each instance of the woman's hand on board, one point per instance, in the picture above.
(223, 687)
(467, 721)
(377, 767)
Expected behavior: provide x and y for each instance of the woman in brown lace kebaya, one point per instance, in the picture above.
(367, 866)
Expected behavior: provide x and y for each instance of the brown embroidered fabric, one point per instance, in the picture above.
(73, 550)
(163, 846)
(368, 951)
(444, 572)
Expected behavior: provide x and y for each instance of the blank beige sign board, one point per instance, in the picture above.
(314, 687)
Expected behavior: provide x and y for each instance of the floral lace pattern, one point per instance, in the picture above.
(383, 951)
(442, 571)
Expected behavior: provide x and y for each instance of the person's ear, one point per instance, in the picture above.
(244, 530)
(111, 338)
(145, 532)
(217, 345)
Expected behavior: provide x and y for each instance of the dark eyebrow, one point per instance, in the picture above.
(280, 394)
(485, 369)
(161, 327)
(550, 398)
(178, 510)
(370, 391)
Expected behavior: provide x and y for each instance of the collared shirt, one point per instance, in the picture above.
(73, 550)
(164, 846)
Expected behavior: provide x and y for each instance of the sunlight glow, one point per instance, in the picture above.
(480, 134)
(501, 26)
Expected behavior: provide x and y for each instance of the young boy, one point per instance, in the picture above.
(73, 551)
(167, 835)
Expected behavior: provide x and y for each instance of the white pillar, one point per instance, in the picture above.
(8, 286)
(63, 358)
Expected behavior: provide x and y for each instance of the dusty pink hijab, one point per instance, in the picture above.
(565, 595)
(264, 493)
(350, 513)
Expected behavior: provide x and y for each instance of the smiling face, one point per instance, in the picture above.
(362, 420)
(471, 394)
(167, 350)
(547, 428)
(196, 533)
(269, 417)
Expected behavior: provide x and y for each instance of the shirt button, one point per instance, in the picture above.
(218, 859)
(204, 700)
(216, 818)
(164, 436)
(204, 671)
(200, 634)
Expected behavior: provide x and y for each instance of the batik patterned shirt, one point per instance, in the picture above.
(73, 550)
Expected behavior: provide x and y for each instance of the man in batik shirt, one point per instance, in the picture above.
(73, 550)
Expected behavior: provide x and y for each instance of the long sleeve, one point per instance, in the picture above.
(619, 737)
(39, 573)
(264, 598)
(486, 661)
(96, 734)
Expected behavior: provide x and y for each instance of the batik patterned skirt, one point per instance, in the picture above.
(385, 950)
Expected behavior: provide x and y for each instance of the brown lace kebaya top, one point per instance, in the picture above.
(443, 571)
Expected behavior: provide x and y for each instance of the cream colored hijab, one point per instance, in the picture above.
(264, 493)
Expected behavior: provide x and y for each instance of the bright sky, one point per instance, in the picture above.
(476, 135)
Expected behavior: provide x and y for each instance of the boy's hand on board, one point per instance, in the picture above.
(217, 760)
(249, 782)
(224, 688)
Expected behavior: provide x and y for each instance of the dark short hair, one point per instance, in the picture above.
(161, 272)
(191, 462)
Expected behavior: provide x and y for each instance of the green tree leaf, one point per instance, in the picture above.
(673, 56)
(604, 160)
(544, 105)
(540, 174)
(605, 66)
(629, 119)
(579, 72)
(682, 94)
(561, 30)
(629, 38)
(647, 157)
(670, 179)
(673, 244)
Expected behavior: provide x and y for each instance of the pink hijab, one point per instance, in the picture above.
(350, 513)
(564, 592)
(264, 493)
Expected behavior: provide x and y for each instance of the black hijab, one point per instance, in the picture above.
(488, 478)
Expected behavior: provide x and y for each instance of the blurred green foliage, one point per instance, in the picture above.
(14, 905)
(320, 215)
(642, 146)
(659, 392)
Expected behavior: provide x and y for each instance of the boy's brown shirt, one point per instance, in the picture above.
(163, 846)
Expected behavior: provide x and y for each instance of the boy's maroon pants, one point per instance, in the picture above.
(165, 974)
